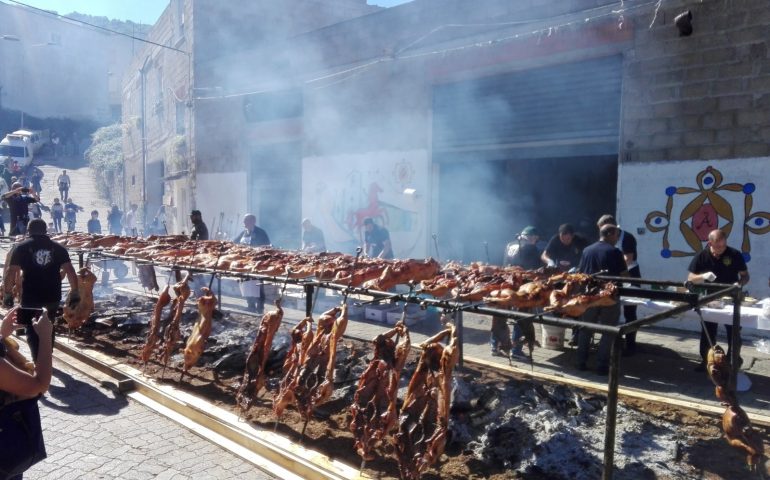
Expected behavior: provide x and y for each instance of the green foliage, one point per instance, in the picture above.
(105, 157)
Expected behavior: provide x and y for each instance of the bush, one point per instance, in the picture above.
(105, 157)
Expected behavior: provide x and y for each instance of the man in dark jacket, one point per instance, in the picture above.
(199, 229)
(256, 237)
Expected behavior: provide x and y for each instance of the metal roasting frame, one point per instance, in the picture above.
(688, 301)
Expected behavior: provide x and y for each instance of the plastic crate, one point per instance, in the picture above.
(378, 313)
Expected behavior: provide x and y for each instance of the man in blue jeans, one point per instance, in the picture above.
(601, 256)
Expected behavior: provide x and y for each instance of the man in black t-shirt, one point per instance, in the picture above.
(720, 264)
(199, 229)
(18, 199)
(628, 247)
(564, 249)
(312, 238)
(40, 261)
(376, 240)
(601, 256)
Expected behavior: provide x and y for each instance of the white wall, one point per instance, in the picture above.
(216, 194)
(338, 191)
(642, 191)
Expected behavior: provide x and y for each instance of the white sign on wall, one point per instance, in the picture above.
(340, 191)
(672, 206)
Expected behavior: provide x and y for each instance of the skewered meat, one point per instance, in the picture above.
(373, 411)
(530, 295)
(196, 342)
(147, 278)
(301, 338)
(155, 323)
(424, 418)
(172, 335)
(403, 271)
(741, 435)
(254, 375)
(76, 317)
(597, 294)
(315, 380)
(17, 358)
(718, 368)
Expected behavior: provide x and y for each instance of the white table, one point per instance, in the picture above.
(751, 316)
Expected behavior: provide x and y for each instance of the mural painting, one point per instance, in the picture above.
(691, 212)
(340, 191)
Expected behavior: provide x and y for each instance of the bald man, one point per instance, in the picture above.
(717, 263)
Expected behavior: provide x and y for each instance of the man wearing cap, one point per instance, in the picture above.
(199, 229)
(627, 243)
(524, 253)
(18, 200)
(601, 256)
(312, 238)
(40, 260)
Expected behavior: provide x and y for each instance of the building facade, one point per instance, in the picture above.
(53, 67)
(457, 123)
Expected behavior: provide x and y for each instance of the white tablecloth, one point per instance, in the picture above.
(751, 316)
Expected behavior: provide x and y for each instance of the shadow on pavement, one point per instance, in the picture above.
(79, 398)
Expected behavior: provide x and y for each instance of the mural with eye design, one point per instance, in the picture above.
(691, 212)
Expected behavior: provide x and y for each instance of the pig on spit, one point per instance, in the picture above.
(254, 375)
(301, 338)
(373, 412)
(718, 368)
(76, 317)
(172, 335)
(741, 435)
(315, 382)
(424, 418)
(155, 325)
(196, 342)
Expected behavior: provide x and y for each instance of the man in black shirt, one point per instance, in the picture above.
(199, 229)
(18, 200)
(376, 240)
(564, 249)
(628, 247)
(40, 261)
(721, 264)
(312, 238)
(601, 256)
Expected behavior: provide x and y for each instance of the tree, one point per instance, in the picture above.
(105, 157)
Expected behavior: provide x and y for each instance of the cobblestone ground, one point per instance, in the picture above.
(93, 433)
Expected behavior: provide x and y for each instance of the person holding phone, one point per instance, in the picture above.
(40, 260)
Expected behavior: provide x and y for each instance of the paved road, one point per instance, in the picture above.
(94, 433)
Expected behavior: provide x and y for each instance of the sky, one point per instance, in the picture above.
(139, 11)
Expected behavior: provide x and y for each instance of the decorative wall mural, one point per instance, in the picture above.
(701, 209)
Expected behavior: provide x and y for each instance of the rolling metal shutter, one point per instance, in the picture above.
(564, 110)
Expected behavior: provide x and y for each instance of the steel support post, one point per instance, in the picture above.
(459, 327)
(80, 260)
(612, 408)
(219, 290)
(735, 352)
(309, 300)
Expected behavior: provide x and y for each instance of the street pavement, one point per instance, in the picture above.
(92, 433)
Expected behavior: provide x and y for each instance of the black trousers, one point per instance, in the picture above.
(26, 315)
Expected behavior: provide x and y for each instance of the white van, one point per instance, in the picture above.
(22, 145)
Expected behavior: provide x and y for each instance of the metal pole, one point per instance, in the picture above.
(308, 300)
(80, 259)
(612, 409)
(219, 288)
(735, 352)
(459, 327)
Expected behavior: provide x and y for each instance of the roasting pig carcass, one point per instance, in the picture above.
(718, 368)
(196, 342)
(741, 435)
(301, 338)
(76, 317)
(173, 334)
(254, 375)
(155, 324)
(373, 413)
(404, 271)
(315, 382)
(424, 418)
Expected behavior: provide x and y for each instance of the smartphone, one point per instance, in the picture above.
(26, 314)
